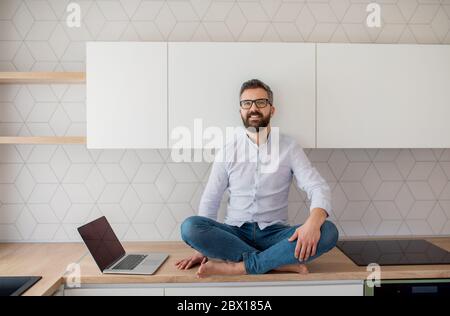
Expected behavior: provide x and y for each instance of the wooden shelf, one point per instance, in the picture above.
(42, 77)
(43, 140)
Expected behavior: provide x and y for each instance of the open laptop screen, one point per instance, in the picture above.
(102, 242)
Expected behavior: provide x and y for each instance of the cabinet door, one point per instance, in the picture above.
(383, 96)
(205, 80)
(274, 290)
(111, 291)
(126, 95)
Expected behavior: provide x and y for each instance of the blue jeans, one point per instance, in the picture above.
(261, 250)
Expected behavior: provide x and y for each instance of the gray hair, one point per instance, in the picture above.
(256, 83)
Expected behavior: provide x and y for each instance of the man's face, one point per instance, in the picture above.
(255, 117)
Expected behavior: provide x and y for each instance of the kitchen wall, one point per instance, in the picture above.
(46, 191)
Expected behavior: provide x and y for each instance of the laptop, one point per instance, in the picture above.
(109, 254)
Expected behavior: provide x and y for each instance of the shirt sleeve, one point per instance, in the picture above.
(215, 187)
(309, 180)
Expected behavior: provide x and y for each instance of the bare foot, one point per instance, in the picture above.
(222, 268)
(296, 267)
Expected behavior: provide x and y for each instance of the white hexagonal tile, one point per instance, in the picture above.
(9, 172)
(355, 171)
(25, 183)
(165, 21)
(42, 193)
(354, 191)
(181, 211)
(130, 203)
(42, 93)
(165, 223)
(112, 173)
(320, 155)
(253, 11)
(41, 30)
(423, 154)
(419, 227)
(113, 193)
(388, 190)
(338, 162)
(356, 13)
(59, 122)
(147, 231)
(26, 223)
(339, 200)
(43, 213)
(9, 213)
(420, 210)
(23, 60)
(60, 163)
(353, 228)
(217, 31)
(148, 213)
(404, 200)
(354, 211)
(183, 192)
(130, 6)
(421, 190)
(41, 153)
(110, 156)
(371, 181)
(130, 163)
(437, 180)
(77, 193)
(421, 171)
(387, 210)
(60, 203)
(371, 220)
(289, 32)
(147, 173)
(114, 213)
(23, 20)
(388, 228)
(323, 12)
(24, 102)
(147, 192)
(9, 194)
(182, 172)
(388, 171)
(437, 219)
(42, 173)
(95, 183)
(165, 183)
(147, 10)
(78, 173)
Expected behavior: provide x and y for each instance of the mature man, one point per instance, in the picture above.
(255, 237)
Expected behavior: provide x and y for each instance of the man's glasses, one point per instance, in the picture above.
(260, 103)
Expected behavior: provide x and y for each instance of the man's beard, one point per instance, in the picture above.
(256, 125)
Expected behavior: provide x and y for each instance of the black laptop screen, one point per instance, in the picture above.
(102, 242)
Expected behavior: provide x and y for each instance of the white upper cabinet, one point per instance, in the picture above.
(383, 96)
(205, 79)
(126, 95)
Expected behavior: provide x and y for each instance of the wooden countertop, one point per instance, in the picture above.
(51, 260)
(46, 260)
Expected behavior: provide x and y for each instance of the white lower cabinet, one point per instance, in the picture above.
(110, 290)
(313, 288)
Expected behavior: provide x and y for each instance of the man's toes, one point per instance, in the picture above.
(303, 269)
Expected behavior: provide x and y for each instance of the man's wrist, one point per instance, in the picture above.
(317, 217)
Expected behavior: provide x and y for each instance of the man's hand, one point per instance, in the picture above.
(190, 262)
(308, 235)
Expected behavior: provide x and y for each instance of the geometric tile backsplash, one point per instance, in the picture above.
(46, 191)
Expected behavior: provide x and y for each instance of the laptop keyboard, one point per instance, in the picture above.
(130, 262)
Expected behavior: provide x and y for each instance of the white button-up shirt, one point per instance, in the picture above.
(257, 194)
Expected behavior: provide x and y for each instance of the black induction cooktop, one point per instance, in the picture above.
(393, 252)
